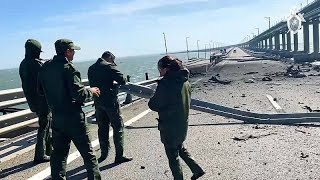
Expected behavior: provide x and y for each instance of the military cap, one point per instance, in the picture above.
(33, 44)
(62, 45)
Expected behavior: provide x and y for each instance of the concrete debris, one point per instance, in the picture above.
(298, 130)
(266, 79)
(216, 79)
(249, 81)
(274, 84)
(314, 75)
(310, 110)
(250, 73)
(304, 155)
(247, 137)
(259, 127)
(316, 68)
(294, 72)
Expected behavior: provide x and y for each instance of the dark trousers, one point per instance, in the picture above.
(106, 116)
(44, 145)
(173, 154)
(71, 128)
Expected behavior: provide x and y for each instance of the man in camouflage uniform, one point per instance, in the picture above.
(28, 70)
(61, 84)
(102, 74)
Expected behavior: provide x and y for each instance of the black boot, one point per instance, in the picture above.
(102, 157)
(122, 159)
(42, 160)
(197, 175)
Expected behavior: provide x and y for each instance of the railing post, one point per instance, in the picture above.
(266, 44)
(277, 41)
(129, 96)
(316, 36)
(295, 42)
(283, 35)
(289, 41)
(306, 39)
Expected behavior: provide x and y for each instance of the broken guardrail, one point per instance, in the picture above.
(247, 117)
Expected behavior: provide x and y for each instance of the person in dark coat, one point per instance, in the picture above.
(28, 71)
(172, 102)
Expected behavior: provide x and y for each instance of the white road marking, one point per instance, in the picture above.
(274, 103)
(46, 173)
(19, 152)
(196, 81)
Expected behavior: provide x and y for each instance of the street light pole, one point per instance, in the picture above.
(258, 30)
(269, 18)
(198, 47)
(165, 42)
(187, 47)
(205, 51)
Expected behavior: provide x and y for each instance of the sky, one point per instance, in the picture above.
(131, 27)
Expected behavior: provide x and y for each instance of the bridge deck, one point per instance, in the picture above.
(265, 152)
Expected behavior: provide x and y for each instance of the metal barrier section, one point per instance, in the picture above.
(247, 117)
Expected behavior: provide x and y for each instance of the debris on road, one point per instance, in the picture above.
(310, 110)
(298, 130)
(216, 79)
(249, 81)
(266, 79)
(295, 72)
(304, 155)
(247, 137)
(250, 73)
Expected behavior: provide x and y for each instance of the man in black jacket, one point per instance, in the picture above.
(28, 71)
(102, 74)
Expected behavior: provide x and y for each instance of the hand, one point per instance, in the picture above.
(95, 91)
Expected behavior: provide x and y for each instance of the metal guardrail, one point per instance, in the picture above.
(247, 117)
(13, 97)
(13, 93)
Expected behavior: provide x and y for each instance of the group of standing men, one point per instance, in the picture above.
(55, 93)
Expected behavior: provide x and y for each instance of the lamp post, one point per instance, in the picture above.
(205, 51)
(187, 47)
(269, 18)
(198, 47)
(258, 30)
(165, 42)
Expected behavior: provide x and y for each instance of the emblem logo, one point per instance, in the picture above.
(294, 21)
